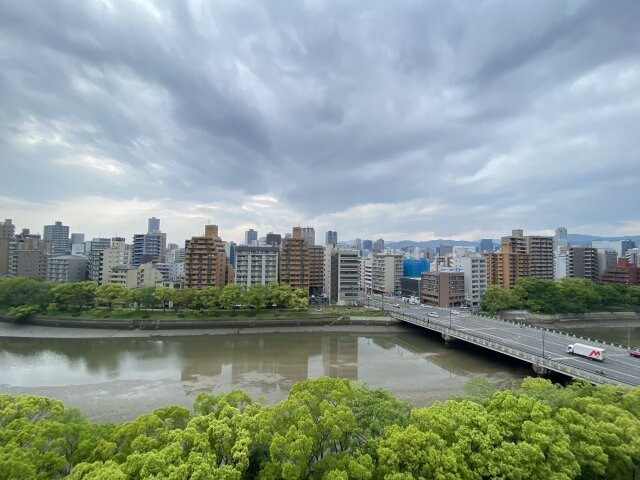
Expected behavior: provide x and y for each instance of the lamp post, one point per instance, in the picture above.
(449, 316)
(542, 343)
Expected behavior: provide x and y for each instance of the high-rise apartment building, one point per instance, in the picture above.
(378, 246)
(331, 238)
(95, 257)
(28, 255)
(7, 234)
(386, 271)
(444, 289)
(118, 254)
(309, 234)
(366, 275)
(149, 247)
(358, 244)
(559, 264)
(58, 236)
(295, 260)
(538, 248)
(66, 268)
(230, 250)
(316, 270)
(505, 267)
(633, 254)
(341, 275)
(583, 263)
(474, 269)
(205, 261)
(256, 265)
(251, 238)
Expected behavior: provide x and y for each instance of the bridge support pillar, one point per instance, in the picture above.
(540, 370)
(449, 341)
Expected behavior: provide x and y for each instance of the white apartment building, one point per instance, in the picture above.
(633, 254)
(365, 274)
(66, 268)
(118, 254)
(559, 265)
(256, 265)
(129, 276)
(474, 267)
(341, 275)
(386, 271)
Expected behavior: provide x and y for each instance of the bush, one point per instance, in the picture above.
(23, 312)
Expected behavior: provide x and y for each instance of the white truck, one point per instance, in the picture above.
(588, 351)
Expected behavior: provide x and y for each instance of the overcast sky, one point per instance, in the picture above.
(402, 120)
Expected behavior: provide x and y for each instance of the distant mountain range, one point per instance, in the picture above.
(574, 239)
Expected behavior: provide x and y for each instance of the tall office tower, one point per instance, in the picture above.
(505, 267)
(77, 244)
(309, 234)
(251, 238)
(149, 247)
(378, 246)
(331, 238)
(256, 265)
(486, 245)
(316, 270)
(295, 260)
(358, 244)
(342, 275)
(117, 255)
(560, 240)
(583, 263)
(606, 258)
(625, 246)
(205, 261)
(386, 271)
(367, 245)
(28, 255)
(273, 239)
(7, 233)
(95, 258)
(230, 249)
(153, 225)
(538, 248)
(474, 268)
(58, 236)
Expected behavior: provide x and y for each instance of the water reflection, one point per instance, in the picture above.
(106, 377)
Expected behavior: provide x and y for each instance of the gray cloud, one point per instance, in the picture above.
(500, 114)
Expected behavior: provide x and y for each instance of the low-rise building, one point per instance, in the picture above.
(28, 255)
(341, 275)
(67, 268)
(443, 289)
(386, 271)
(256, 265)
(623, 273)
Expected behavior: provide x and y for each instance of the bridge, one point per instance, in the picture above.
(543, 348)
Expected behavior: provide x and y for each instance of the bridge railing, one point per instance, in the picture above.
(527, 354)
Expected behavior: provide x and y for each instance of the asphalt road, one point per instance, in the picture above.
(618, 364)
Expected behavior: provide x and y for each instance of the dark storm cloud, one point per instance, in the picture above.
(328, 106)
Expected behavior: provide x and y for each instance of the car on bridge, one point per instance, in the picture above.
(433, 314)
(397, 305)
(455, 312)
(635, 353)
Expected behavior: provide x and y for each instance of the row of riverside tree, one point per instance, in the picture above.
(24, 296)
(569, 295)
(336, 430)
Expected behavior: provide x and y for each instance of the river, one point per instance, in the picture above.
(117, 379)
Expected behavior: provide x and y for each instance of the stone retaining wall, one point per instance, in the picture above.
(148, 324)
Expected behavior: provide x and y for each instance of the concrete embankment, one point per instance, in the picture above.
(575, 320)
(50, 327)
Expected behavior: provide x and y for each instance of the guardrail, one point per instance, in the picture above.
(528, 355)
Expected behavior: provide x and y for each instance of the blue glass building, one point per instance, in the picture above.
(412, 267)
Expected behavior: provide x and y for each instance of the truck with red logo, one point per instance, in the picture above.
(594, 353)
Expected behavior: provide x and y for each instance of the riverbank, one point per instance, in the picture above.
(42, 327)
(574, 320)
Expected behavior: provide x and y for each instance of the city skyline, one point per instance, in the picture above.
(381, 120)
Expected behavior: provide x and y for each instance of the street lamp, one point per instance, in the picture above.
(542, 343)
